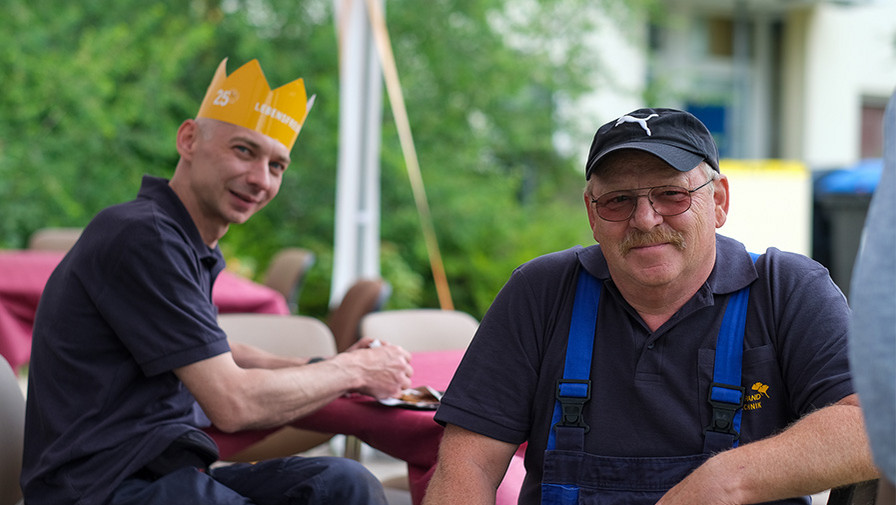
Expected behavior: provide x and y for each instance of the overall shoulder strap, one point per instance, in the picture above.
(726, 395)
(568, 427)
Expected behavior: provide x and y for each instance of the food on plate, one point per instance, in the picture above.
(421, 394)
(420, 398)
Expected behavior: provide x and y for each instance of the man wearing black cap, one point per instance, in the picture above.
(664, 365)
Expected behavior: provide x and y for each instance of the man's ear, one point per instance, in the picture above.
(721, 200)
(186, 138)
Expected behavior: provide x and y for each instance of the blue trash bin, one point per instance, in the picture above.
(842, 197)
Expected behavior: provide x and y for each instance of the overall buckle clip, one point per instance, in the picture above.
(572, 395)
(725, 400)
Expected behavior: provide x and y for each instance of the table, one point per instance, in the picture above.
(410, 435)
(23, 274)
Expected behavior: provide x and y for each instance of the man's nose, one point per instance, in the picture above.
(259, 175)
(644, 216)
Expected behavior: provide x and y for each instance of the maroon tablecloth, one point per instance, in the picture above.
(24, 273)
(410, 435)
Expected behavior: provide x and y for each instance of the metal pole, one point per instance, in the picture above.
(356, 236)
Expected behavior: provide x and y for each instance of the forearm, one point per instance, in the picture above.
(247, 356)
(825, 449)
(263, 398)
(237, 398)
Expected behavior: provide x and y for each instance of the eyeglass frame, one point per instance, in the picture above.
(647, 195)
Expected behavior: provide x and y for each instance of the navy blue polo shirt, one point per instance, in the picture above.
(650, 387)
(128, 304)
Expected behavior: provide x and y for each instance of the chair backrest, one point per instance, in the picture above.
(284, 335)
(363, 297)
(421, 329)
(862, 493)
(12, 420)
(54, 239)
(286, 272)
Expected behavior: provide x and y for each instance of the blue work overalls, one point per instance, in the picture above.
(572, 476)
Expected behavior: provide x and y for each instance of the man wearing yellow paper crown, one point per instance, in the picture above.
(128, 362)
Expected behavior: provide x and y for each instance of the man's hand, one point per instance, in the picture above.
(382, 371)
(364, 343)
(825, 449)
(707, 485)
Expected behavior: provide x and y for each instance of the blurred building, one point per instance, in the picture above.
(791, 89)
(793, 79)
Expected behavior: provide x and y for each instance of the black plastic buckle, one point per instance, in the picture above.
(571, 406)
(723, 412)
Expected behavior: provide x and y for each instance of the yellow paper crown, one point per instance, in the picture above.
(244, 98)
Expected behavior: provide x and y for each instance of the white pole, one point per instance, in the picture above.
(357, 235)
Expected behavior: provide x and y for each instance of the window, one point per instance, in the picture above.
(872, 135)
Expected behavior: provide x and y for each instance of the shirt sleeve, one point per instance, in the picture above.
(490, 388)
(495, 387)
(156, 299)
(811, 320)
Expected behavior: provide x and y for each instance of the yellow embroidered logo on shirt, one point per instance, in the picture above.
(754, 401)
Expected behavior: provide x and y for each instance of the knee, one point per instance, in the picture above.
(349, 482)
(345, 472)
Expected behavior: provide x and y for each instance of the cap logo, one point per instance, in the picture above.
(244, 98)
(674, 136)
(640, 121)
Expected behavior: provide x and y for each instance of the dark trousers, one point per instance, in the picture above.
(286, 481)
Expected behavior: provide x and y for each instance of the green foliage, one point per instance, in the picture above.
(93, 95)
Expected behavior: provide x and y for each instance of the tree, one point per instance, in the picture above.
(94, 95)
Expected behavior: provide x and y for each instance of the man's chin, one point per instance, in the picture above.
(238, 217)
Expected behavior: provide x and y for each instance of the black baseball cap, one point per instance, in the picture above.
(675, 136)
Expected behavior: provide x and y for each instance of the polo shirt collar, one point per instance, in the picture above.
(739, 268)
(158, 190)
